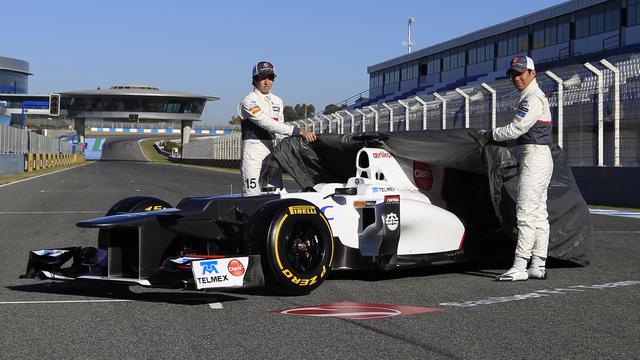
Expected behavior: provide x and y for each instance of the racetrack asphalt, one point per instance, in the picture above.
(578, 313)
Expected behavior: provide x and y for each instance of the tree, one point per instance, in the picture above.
(297, 111)
(304, 111)
(235, 120)
(331, 108)
(290, 114)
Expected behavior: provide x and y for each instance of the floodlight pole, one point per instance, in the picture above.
(493, 103)
(466, 106)
(598, 74)
(364, 116)
(353, 120)
(340, 123)
(406, 114)
(376, 117)
(616, 110)
(560, 85)
(424, 111)
(444, 109)
(328, 122)
(390, 116)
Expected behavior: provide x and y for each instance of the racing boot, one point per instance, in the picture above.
(518, 271)
(537, 268)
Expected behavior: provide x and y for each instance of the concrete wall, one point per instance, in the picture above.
(11, 163)
(612, 186)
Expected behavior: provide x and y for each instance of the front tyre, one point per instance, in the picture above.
(298, 252)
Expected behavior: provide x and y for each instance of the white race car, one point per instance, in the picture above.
(287, 242)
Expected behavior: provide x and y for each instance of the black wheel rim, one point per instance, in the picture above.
(304, 247)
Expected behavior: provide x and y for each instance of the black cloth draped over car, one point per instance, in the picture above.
(480, 185)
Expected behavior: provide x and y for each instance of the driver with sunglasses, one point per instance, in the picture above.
(262, 115)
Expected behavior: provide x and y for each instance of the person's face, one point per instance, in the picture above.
(264, 84)
(522, 80)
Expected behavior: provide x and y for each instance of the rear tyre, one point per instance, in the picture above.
(297, 251)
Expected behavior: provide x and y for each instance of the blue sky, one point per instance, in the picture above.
(321, 49)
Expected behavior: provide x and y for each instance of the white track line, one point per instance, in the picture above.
(216, 306)
(62, 301)
(142, 151)
(37, 176)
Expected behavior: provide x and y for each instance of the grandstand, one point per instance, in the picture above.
(462, 84)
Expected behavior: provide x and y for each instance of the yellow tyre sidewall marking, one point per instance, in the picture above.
(277, 253)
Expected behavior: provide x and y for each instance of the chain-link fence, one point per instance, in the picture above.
(589, 130)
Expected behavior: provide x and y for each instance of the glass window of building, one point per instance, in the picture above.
(489, 49)
(503, 45)
(564, 29)
(523, 40)
(596, 20)
(538, 35)
(633, 12)
(480, 52)
(422, 69)
(612, 16)
(550, 32)
(410, 70)
(434, 66)
(471, 54)
(582, 24)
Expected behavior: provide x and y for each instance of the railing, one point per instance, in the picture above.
(484, 106)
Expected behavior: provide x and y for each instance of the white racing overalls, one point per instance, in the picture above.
(532, 127)
(262, 118)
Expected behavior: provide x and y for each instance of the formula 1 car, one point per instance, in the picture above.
(286, 242)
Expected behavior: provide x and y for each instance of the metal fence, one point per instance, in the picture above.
(225, 147)
(19, 141)
(595, 107)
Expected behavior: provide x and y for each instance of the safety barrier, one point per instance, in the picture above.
(20, 141)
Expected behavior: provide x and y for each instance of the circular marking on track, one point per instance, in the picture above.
(356, 311)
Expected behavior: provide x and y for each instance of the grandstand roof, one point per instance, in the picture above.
(525, 20)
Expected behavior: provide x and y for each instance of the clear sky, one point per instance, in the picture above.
(321, 49)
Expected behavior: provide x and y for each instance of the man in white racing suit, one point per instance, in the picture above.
(262, 115)
(532, 128)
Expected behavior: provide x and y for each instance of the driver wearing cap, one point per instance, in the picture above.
(262, 115)
(531, 127)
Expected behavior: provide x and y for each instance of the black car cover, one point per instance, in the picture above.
(480, 185)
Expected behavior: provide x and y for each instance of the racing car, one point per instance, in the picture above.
(287, 242)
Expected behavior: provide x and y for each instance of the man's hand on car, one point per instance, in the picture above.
(309, 136)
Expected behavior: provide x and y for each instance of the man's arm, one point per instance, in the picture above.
(250, 110)
(529, 111)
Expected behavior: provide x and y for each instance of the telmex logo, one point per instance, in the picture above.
(302, 210)
(209, 266)
(381, 154)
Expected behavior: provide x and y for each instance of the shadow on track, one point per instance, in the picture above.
(122, 292)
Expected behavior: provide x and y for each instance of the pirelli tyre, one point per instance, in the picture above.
(297, 245)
